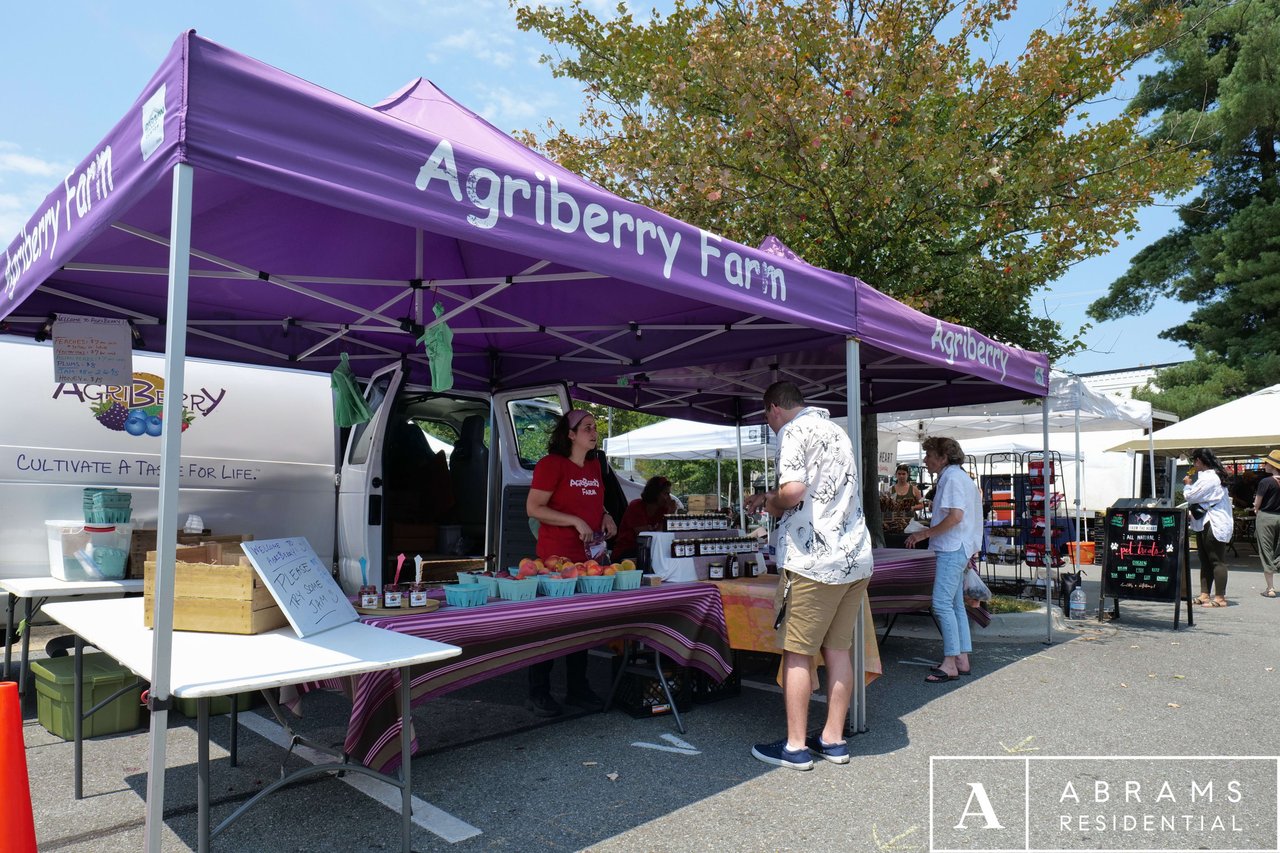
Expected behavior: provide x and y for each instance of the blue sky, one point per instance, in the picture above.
(69, 69)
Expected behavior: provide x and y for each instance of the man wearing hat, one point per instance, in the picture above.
(1266, 506)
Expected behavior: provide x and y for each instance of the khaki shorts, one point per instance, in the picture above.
(818, 615)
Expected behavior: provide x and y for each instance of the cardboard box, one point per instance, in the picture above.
(215, 589)
(55, 696)
(702, 503)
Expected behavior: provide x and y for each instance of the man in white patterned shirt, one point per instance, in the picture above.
(825, 560)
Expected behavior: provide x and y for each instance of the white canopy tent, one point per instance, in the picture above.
(1006, 427)
(1250, 424)
(680, 439)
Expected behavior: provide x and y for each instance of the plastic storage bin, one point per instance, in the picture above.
(79, 551)
(55, 696)
(217, 705)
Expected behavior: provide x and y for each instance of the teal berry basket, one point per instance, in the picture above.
(465, 595)
(627, 580)
(489, 582)
(556, 587)
(589, 584)
(510, 589)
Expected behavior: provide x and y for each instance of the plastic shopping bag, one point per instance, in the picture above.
(974, 587)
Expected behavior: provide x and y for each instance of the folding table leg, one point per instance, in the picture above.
(8, 636)
(77, 694)
(406, 742)
(202, 774)
(666, 689)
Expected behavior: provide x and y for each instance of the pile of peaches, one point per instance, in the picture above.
(531, 567)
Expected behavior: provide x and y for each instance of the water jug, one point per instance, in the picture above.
(1077, 603)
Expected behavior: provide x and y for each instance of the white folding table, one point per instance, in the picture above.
(35, 592)
(206, 665)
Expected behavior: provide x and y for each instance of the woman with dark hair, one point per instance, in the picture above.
(643, 514)
(567, 500)
(1213, 527)
(900, 502)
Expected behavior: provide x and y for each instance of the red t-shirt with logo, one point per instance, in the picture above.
(575, 490)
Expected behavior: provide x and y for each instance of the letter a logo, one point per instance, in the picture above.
(988, 814)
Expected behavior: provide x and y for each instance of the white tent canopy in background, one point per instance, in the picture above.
(680, 439)
(1248, 425)
(1067, 396)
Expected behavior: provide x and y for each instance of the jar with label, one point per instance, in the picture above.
(732, 568)
(391, 596)
(716, 571)
(418, 594)
(369, 596)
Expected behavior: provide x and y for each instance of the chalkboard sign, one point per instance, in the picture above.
(302, 585)
(1145, 550)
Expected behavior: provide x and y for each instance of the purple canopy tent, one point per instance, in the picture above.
(261, 219)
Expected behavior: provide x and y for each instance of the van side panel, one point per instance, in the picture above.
(257, 456)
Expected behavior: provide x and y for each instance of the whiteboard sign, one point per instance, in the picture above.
(92, 350)
(302, 585)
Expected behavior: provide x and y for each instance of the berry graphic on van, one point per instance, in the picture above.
(110, 414)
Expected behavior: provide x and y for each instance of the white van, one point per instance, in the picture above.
(259, 456)
(257, 450)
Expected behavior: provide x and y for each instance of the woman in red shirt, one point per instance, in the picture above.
(643, 514)
(567, 500)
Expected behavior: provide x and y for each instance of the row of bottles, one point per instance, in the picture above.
(696, 521)
(714, 546)
(732, 568)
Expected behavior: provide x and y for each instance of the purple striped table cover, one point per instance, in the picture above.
(684, 621)
(903, 583)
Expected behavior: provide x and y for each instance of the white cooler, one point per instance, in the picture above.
(79, 551)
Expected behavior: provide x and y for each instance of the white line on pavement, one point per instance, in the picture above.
(425, 815)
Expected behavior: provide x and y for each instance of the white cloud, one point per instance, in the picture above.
(13, 160)
(494, 49)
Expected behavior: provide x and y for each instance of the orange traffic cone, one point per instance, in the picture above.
(19, 834)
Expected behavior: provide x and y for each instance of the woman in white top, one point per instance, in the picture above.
(1213, 528)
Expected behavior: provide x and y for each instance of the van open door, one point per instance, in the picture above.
(360, 490)
(523, 419)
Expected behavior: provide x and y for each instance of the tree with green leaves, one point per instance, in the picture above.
(885, 139)
(879, 138)
(1218, 88)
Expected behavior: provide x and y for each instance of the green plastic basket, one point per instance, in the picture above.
(588, 584)
(628, 580)
(556, 587)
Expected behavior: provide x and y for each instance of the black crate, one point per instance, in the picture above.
(640, 693)
(705, 689)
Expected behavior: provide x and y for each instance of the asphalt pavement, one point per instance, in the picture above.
(494, 777)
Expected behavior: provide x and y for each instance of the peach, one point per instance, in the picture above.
(609, 570)
(627, 565)
(530, 566)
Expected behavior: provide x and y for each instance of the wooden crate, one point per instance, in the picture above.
(144, 541)
(702, 503)
(215, 589)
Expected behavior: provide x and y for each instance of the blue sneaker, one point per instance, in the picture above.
(777, 753)
(836, 753)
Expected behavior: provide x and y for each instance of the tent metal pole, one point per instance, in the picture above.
(1079, 464)
(1048, 526)
(175, 350)
(742, 501)
(1151, 462)
(853, 425)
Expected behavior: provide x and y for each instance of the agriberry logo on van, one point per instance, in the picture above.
(1049, 803)
(137, 408)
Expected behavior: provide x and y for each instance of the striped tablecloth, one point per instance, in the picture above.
(684, 621)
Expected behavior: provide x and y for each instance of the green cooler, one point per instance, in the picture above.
(55, 695)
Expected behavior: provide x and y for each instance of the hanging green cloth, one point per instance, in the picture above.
(349, 407)
(438, 340)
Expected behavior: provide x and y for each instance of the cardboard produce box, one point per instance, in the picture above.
(215, 589)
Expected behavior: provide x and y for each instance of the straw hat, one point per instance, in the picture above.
(1273, 459)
